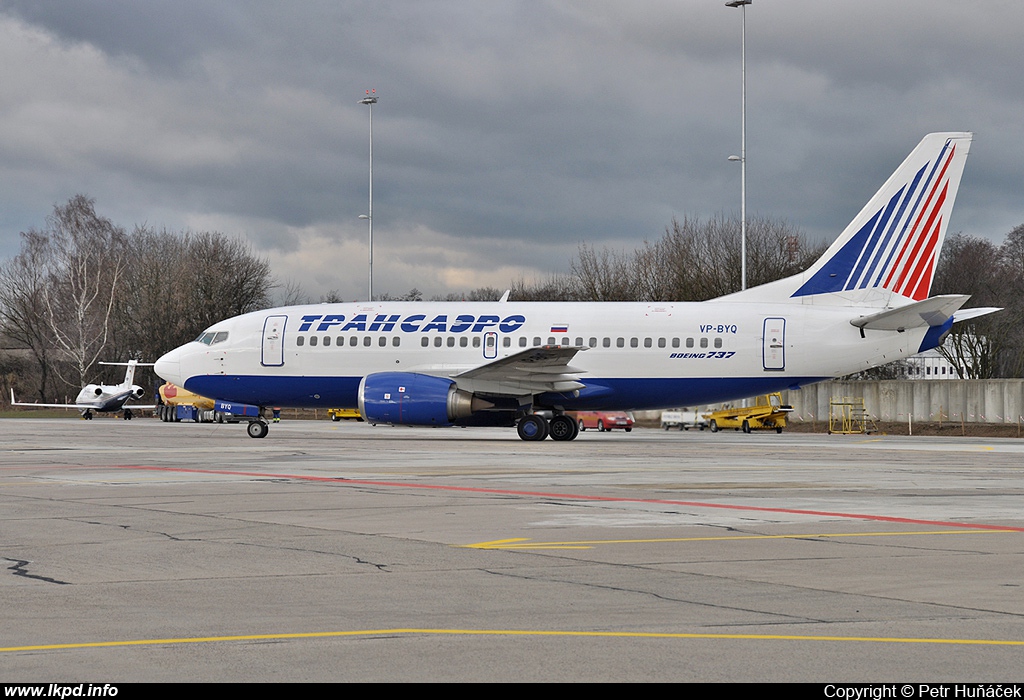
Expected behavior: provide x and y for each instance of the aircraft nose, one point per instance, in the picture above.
(168, 367)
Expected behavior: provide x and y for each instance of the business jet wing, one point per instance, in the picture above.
(48, 405)
(536, 370)
(108, 404)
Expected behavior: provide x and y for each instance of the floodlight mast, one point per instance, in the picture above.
(370, 100)
(742, 4)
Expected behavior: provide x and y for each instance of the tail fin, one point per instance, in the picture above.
(888, 254)
(129, 375)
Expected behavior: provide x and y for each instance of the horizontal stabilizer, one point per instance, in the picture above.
(967, 314)
(930, 312)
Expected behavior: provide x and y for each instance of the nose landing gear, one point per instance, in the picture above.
(258, 429)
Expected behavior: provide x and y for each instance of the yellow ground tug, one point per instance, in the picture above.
(767, 413)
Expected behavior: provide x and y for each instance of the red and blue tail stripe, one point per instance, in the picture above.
(897, 246)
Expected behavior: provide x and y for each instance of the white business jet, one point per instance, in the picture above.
(864, 303)
(104, 398)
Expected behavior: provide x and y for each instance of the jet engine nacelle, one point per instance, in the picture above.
(137, 391)
(406, 398)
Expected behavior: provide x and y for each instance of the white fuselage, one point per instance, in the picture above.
(633, 355)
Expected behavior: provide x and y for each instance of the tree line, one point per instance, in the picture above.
(83, 289)
(990, 346)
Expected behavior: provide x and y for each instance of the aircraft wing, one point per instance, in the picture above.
(50, 405)
(538, 369)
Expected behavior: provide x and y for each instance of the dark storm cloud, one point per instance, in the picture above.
(506, 132)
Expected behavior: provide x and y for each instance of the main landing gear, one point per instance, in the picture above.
(534, 428)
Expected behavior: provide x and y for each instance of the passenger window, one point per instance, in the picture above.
(382, 341)
(476, 341)
(661, 342)
(300, 341)
(703, 342)
(463, 342)
(339, 341)
(634, 343)
(593, 342)
(424, 341)
(437, 342)
(523, 341)
(718, 342)
(551, 341)
(647, 342)
(689, 342)
(536, 341)
(366, 341)
(607, 342)
(451, 341)
(312, 341)
(353, 341)
(579, 342)
(620, 342)
(396, 341)
(506, 342)
(675, 342)
(327, 340)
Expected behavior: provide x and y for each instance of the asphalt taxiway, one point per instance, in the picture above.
(145, 551)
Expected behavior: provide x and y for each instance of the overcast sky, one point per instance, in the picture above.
(507, 132)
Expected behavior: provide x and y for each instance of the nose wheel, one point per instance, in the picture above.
(258, 429)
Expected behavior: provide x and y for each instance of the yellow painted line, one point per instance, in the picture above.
(515, 633)
(526, 543)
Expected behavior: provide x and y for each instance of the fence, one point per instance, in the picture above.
(955, 400)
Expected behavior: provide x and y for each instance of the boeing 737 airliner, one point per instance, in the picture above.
(863, 304)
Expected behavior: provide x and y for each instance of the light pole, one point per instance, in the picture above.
(370, 100)
(742, 4)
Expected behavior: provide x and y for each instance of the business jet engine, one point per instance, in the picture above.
(407, 398)
(137, 392)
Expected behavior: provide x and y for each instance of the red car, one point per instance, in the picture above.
(604, 420)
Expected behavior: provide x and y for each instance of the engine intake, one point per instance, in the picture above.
(407, 398)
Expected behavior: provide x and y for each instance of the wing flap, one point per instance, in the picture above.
(535, 370)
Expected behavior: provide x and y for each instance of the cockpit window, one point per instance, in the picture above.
(209, 337)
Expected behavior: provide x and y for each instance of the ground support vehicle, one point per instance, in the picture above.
(177, 405)
(682, 420)
(767, 413)
(338, 414)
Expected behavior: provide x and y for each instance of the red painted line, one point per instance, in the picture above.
(572, 496)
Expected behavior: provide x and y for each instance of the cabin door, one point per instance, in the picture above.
(774, 344)
(273, 341)
(490, 345)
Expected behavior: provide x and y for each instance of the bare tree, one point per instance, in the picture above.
(696, 259)
(178, 284)
(973, 265)
(23, 320)
(86, 260)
